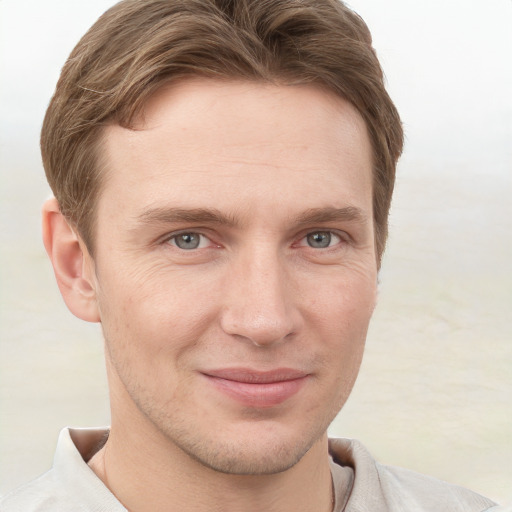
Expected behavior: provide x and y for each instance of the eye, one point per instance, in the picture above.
(322, 239)
(189, 241)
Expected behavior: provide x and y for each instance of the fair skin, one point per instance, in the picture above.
(234, 276)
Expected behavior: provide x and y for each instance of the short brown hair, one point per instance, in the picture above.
(138, 45)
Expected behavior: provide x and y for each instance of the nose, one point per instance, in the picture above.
(260, 305)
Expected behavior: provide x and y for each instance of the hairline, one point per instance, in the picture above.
(102, 168)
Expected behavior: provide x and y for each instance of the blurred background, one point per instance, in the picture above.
(435, 389)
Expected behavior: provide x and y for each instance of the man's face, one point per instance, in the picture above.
(235, 269)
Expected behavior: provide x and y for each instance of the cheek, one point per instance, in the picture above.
(345, 304)
(149, 310)
(341, 318)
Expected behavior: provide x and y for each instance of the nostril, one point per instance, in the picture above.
(259, 305)
(261, 329)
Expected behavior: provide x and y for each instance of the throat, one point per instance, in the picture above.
(153, 486)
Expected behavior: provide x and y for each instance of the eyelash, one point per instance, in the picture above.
(331, 235)
(302, 242)
(175, 237)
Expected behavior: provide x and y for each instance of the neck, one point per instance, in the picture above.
(160, 476)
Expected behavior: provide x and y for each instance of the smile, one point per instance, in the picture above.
(255, 388)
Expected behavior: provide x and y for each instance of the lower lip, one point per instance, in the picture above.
(258, 395)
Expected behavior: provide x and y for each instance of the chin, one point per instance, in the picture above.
(261, 448)
(233, 458)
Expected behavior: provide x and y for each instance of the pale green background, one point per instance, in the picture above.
(435, 390)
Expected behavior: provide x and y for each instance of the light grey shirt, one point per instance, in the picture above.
(361, 484)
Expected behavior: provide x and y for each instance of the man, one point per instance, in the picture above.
(222, 175)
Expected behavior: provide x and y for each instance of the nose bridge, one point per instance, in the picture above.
(259, 302)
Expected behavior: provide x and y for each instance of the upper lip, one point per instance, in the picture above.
(250, 376)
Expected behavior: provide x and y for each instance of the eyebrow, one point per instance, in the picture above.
(159, 215)
(193, 215)
(321, 215)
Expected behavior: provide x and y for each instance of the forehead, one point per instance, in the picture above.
(199, 140)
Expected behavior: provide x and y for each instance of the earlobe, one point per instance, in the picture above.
(72, 264)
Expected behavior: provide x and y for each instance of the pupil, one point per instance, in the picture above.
(320, 239)
(187, 241)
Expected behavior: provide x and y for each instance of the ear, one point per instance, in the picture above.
(72, 264)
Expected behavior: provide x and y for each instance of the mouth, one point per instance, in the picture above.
(254, 388)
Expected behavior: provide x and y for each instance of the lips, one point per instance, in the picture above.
(254, 388)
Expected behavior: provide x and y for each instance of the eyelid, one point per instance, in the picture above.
(175, 234)
(342, 235)
(201, 242)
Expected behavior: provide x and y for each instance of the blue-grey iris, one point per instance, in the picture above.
(319, 239)
(188, 241)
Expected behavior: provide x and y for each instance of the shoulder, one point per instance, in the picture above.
(40, 495)
(70, 486)
(386, 488)
(401, 485)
